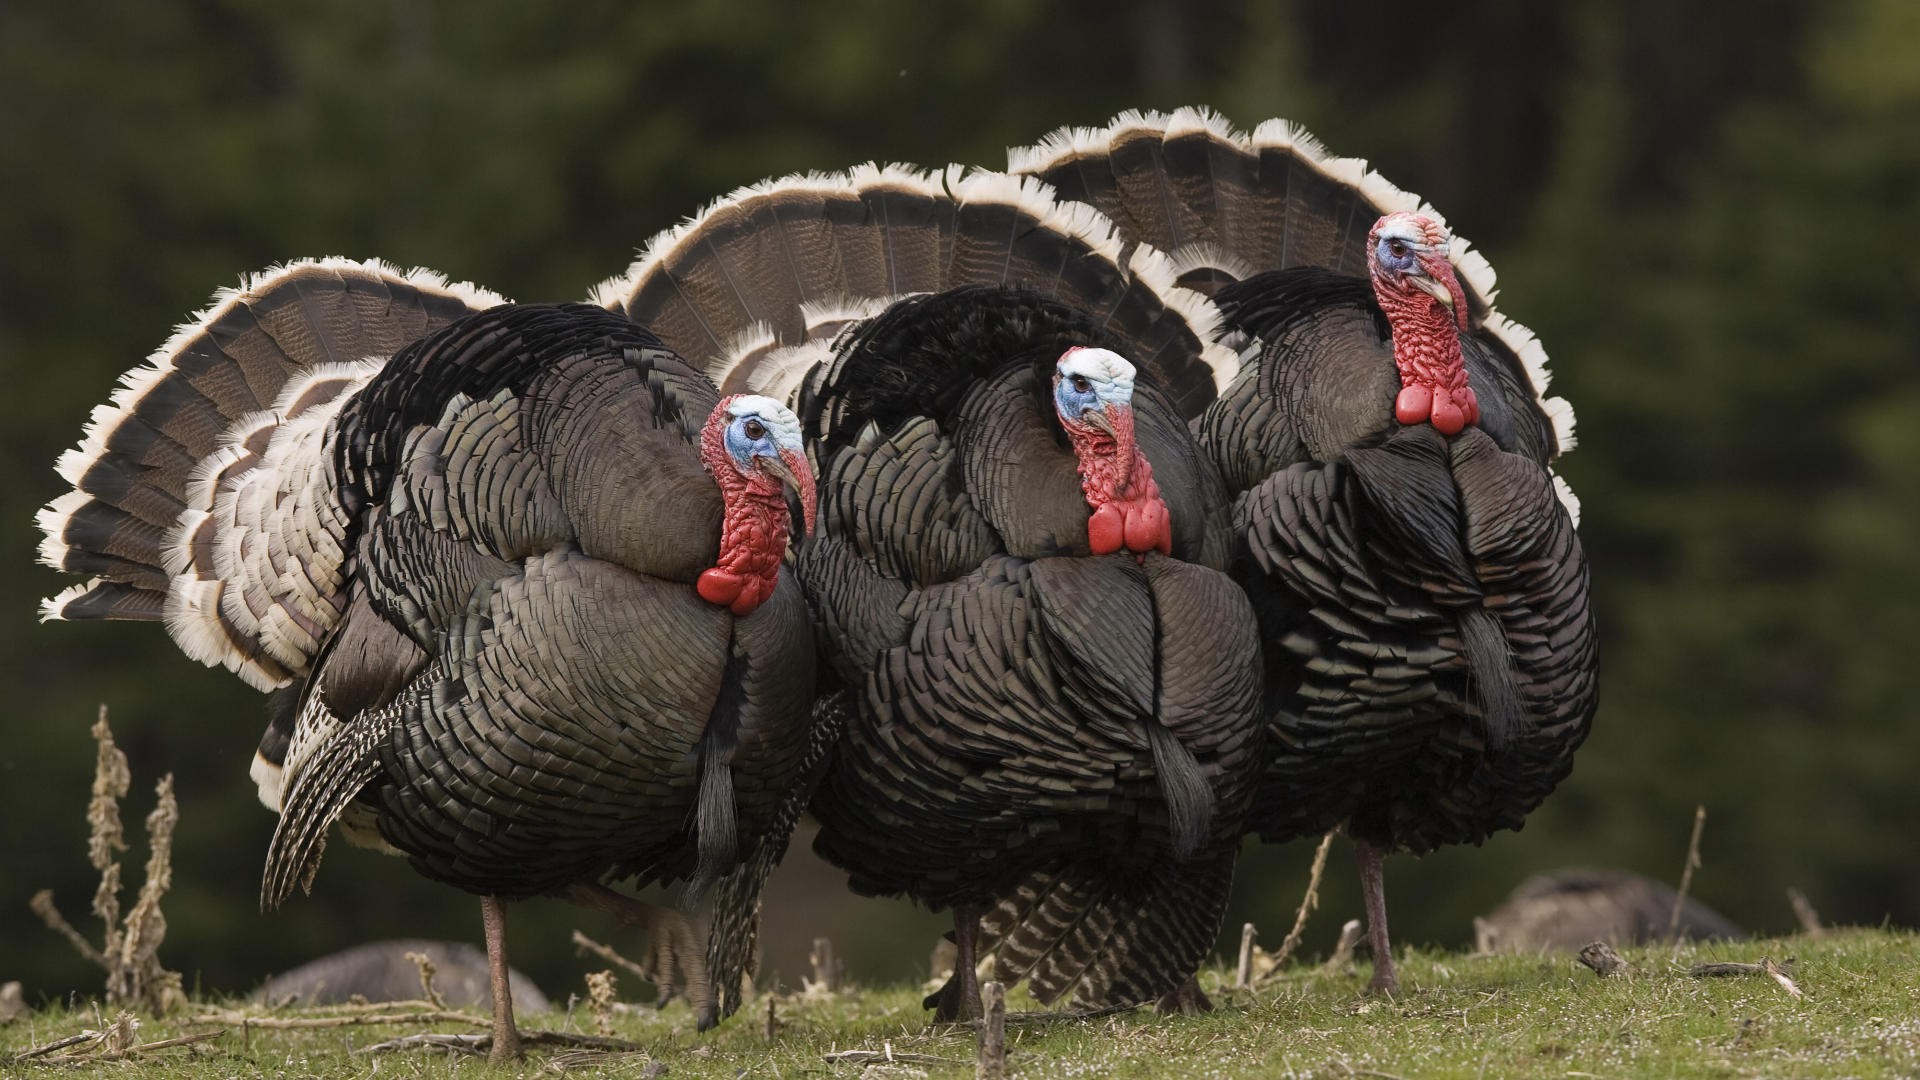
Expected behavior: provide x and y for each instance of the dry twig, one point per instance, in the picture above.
(606, 953)
(1307, 903)
(1686, 875)
(1803, 910)
(1342, 956)
(1243, 973)
(424, 963)
(993, 1031)
(1777, 972)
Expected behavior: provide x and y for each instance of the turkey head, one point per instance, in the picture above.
(1425, 305)
(1093, 393)
(751, 445)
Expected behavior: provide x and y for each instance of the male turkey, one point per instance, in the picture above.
(1018, 574)
(1421, 592)
(511, 575)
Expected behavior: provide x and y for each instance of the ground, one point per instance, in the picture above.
(1459, 1016)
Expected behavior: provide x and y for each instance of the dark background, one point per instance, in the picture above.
(1708, 211)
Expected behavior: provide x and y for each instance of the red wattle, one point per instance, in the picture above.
(1149, 528)
(753, 593)
(716, 586)
(1448, 416)
(1106, 530)
(1414, 404)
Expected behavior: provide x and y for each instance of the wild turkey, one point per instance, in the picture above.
(1421, 592)
(511, 575)
(1069, 734)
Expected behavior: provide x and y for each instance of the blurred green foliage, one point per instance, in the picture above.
(1703, 209)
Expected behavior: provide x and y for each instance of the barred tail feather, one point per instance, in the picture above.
(1102, 941)
(328, 778)
(162, 463)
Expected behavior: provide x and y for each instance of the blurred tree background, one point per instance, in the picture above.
(1703, 209)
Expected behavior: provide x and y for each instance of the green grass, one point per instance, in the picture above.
(1460, 1016)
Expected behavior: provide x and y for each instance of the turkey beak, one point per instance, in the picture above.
(1098, 418)
(1432, 288)
(797, 478)
(1439, 282)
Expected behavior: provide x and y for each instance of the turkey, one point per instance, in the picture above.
(1018, 577)
(1422, 595)
(510, 574)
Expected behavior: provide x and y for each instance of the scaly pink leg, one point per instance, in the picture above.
(1373, 888)
(506, 1037)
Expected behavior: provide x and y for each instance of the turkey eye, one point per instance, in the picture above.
(1081, 385)
(755, 430)
(1398, 248)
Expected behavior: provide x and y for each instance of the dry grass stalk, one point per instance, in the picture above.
(605, 952)
(1307, 904)
(1803, 910)
(130, 947)
(1686, 875)
(1342, 957)
(424, 962)
(13, 1002)
(1243, 972)
(1778, 973)
(827, 969)
(380, 1012)
(600, 997)
(113, 1042)
(993, 1031)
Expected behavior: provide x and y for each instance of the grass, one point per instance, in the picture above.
(1460, 1016)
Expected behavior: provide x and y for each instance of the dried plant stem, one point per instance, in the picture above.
(993, 1031)
(1686, 874)
(43, 906)
(606, 953)
(1307, 904)
(1803, 910)
(130, 947)
(382, 1013)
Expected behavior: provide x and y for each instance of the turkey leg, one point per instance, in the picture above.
(676, 959)
(506, 1037)
(959, 1000)
(1373, 888)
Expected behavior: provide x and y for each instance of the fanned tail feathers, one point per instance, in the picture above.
(1223, 203)
(201, 490)
(781, 264)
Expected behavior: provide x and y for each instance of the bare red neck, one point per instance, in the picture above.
(1117, 481)
(753, 530)
(1426, 349)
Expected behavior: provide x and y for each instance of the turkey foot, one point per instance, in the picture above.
(1373, 888)
(676, 961)
(959, 1000)
(1187, 999)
